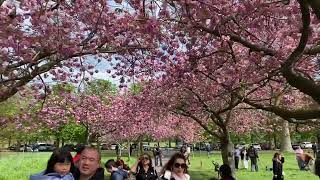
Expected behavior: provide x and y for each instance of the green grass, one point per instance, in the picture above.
(19, 166)
(291, 170)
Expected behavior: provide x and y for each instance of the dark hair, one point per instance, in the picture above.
(170, 163)
(79, 148)
(150, 161)
(120, 163)
(225, 171)
(110, 163)
(276, 155)
(59, 156)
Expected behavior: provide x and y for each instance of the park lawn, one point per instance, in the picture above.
(19, 166)
(205, 171)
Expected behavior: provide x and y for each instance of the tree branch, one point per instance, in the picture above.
(296, 79)
(299, 114)
(185, 113)
(239, 39)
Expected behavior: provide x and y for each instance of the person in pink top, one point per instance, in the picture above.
(299, 153)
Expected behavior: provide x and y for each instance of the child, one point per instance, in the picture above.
(60, 167)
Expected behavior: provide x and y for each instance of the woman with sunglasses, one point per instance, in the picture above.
(143, 169)
(176, 168)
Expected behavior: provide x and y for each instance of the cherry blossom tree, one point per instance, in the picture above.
(257, 41)
(63, 40)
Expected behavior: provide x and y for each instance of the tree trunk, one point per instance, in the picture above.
(270, 142)
(18, 145)
(62, 142)
(140, 147)
(57, 142)
(98, 144)
(87, 136)
(129, 147)
(169, 143)
(227, 152)
(285, 138)
(275, 140)
(9, 141)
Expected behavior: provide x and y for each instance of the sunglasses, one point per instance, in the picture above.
(183, 165)
(145, 158)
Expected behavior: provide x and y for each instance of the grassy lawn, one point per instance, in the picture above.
(291, 170)
(19, 166)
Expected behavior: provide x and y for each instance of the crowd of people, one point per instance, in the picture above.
(243, 155)
(86, 165)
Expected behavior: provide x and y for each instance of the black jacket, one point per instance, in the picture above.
(99, 175)
(151, 174)
(277, 168)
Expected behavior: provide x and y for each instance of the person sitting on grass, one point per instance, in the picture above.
(117, 173)
(307, 160)
(60, 167)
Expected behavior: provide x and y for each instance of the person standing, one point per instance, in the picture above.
(188, 152)
(208, 148)
(314, 149)
(277, 166)
(157, 153)
(299, 153)
(244, 158)
(316, 169)
(237, 157)
(143, 169)
(117, 150)
(131, 149)
(253, 155)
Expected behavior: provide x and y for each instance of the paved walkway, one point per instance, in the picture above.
(164, 161)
